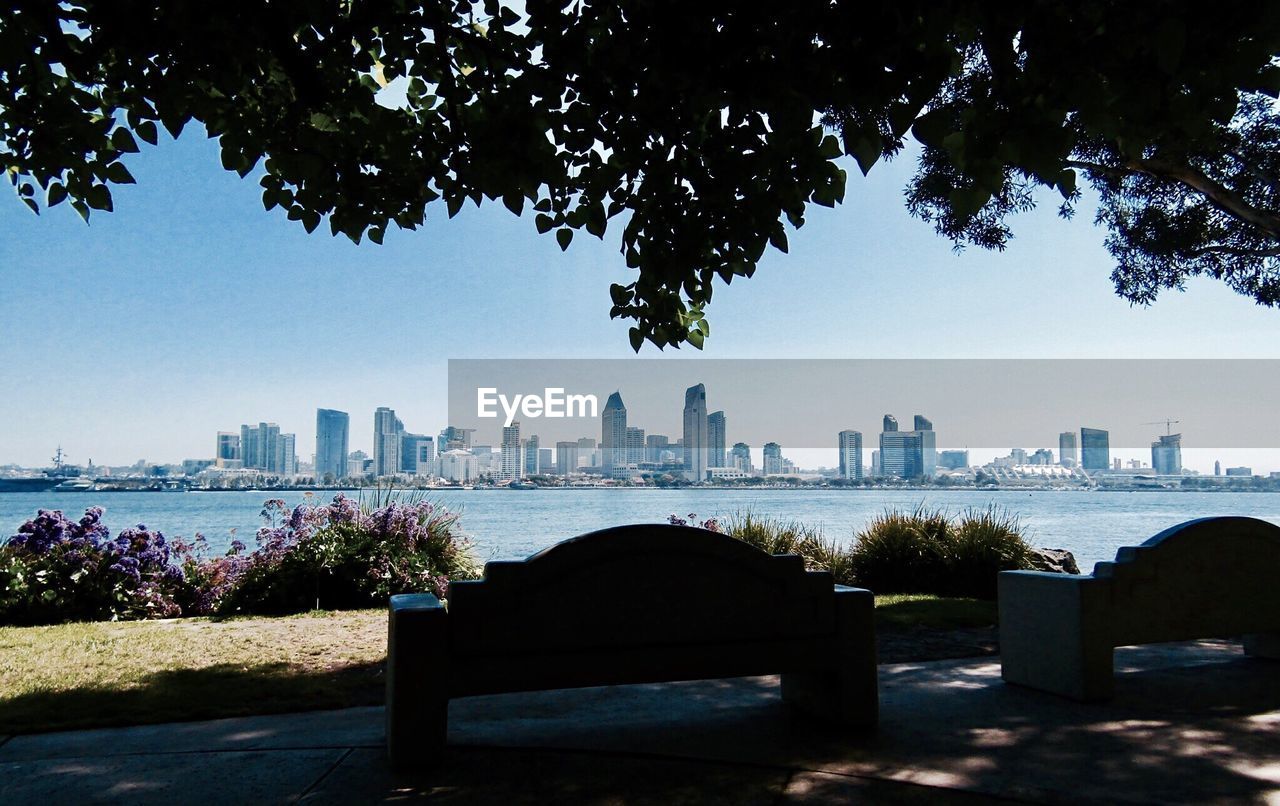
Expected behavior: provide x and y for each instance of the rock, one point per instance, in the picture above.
(1059, 561)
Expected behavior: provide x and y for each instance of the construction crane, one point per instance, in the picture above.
(1168, 425)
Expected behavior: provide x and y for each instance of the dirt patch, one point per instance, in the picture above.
(905, 645)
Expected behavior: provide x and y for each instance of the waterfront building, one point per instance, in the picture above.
(1068, 449)
(876, 470)
(655, 445)
(417, 454)
(566, 458)
(532, 456)
(740, 457)
(1217, 467)
(357, 461)
(263, 447)
(635, 445)
(332, 444)
(695, 439)
(772, 459)
(613, 434)
(1166, 455)
(512, 461)
(1239, 471)
(459, 466)
(726, 473)
(546, 461)
(287, 455)
(908, 454)
(1095, 449)
(455, 439)
(953, 460)
(1042, 456)
(387, 433)
(850, 445)
(715, 439)
(227, 453)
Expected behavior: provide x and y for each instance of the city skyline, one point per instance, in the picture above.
(190, 235)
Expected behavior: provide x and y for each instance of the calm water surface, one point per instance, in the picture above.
(515, 523)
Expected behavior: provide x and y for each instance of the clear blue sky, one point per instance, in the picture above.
(191, 310)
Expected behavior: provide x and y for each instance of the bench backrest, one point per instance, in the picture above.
(635, 586)
(1207, 577)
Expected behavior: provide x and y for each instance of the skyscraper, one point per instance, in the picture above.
(696, 438)
(613, 435)
(387, 432)
(227, 453)
(417, 454)
(850, 445)
(512, 459)
(635, 445)
(654, 446)
(332, 438)
(1166, 455)
(286, 463)
(715, 439)
(532, 458)
(453, 438)
(260, 448)
(908, 454)
(1095, 449)
(566, 458)
(772, 459)
(1068, 449)
(740, 457)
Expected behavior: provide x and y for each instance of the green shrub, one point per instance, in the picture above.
(983, 543)
(901, 552)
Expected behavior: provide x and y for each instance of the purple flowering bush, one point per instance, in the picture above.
(342, 555)
(339, 555)
(56, 570)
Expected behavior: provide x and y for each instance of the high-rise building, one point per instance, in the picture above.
(1166, 455)
(588, 453)
(715, 439)
(417, 454)
(1095, 449)
(908, 454)
(227, 453)
(566, 458)
(696, 438)
(532, 456)
(772, 459)
(876, 471)
(357, 461)
(332, 438)
(635, 445)
(613, 434)
(455, 439)
(512, 458)
(546, 460)
(387, 433)
(1068, 449)
(261, 449)
(1041, 456)
(953, 460)
(1217, 467)
(740, 457)
(287, 455)
(459, 466)
(654, 446)
(850, 445)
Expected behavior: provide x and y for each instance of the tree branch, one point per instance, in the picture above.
(1223, 249)
(1217, 194)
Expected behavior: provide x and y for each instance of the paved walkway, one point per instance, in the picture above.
(1192, 722)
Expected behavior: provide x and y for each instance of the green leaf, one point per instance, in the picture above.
(376, 234)
(35, 208)
(563, 237)
(544, 223)
(99, 198)
(122, 141)
(637, 338)
(57, 194)
(119, 174)
(514, 202)
(147, 131)
(695, 338)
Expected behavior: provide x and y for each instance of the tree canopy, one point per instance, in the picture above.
(704, 128)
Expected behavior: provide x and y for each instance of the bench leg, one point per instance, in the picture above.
(848, 691)
(417, 706)
(1054, 636)
(1263, 645)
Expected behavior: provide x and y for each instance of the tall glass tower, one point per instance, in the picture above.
(696, 438)
(332, 443)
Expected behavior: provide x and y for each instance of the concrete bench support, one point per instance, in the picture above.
(1207, 578)
(633, 604)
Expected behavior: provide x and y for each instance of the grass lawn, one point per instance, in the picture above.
(123, 673)
(128, 673)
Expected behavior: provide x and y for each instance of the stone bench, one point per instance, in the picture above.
(632, 604)
(1208, 578)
